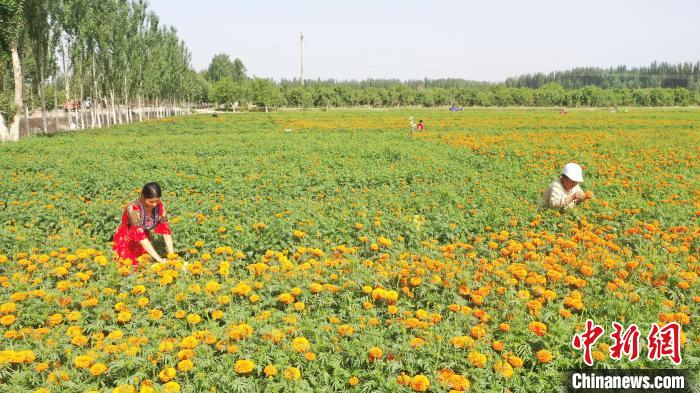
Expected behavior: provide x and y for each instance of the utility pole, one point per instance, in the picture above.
(301, 46)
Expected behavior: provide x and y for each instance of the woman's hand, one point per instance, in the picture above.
(146, 244)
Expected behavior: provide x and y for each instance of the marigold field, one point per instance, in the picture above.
(336, 251)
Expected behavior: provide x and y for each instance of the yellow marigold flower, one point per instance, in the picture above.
(538, 328)
(54, 319)
(515, 361)
(345, 330)
(171, 387)
(270, 371)
(239, 332)
(189, 342)
(292, 374)
(167, 374)
(504, 369)
(301, 344)
(420, 383)
(217, 314)
(244, 366)
(138, 290)
(155, 314)
(299, 234)
(477, 359)
(497, 346)
(124, 389)
(544, 356)
(83, 361)
(223, 300)
(212, 286)
(299, 306)
(374, 353)
(8, 307)
(416, 342)
(98, 369)
(185, 365)
(7, 320)
(124, 316)
(194, 319)
(286, 298)
(241, 289)
(403, 379)
(310, 356)
(353, 381)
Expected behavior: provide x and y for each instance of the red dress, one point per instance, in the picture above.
(136, 226)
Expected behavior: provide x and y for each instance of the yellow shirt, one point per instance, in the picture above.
(555, 196)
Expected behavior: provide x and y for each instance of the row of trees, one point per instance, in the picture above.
(655, 75)
(225, 84)
(265, 93)
(114, 51)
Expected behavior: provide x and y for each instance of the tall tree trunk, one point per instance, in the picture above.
(42, 97)
(82, 98)
(95, 100)
(55, 104)
(140, 110)
(26, 120)
(17, 71)
(126, 99)
(3, 130)
(65, 69)
(114, 109)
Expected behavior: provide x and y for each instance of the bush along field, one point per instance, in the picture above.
(338, 251)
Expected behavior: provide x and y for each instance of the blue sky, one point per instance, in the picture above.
(410, 39)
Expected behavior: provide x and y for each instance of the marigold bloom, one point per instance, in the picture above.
(477, 359)
(98, 369)
(244, 366)
(301, 344)
(292, 374)
(374, 353)
(270, 371)
(538, 328)
(544, 356)
(420, 383)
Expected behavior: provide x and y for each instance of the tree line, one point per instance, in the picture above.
(655, 75)
(114, 52)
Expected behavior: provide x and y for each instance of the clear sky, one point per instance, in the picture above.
(411, 39)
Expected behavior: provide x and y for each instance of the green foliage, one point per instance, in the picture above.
(222, 67)
(8, 108)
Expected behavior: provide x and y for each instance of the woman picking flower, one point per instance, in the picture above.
(140, 217)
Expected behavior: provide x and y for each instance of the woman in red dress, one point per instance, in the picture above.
(133, 237)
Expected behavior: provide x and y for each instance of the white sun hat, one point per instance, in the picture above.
(573, 171)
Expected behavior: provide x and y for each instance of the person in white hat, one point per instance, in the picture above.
(565, 192)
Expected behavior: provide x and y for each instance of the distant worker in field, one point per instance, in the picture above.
(140, 217)
(420, 125)
(565, 192)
